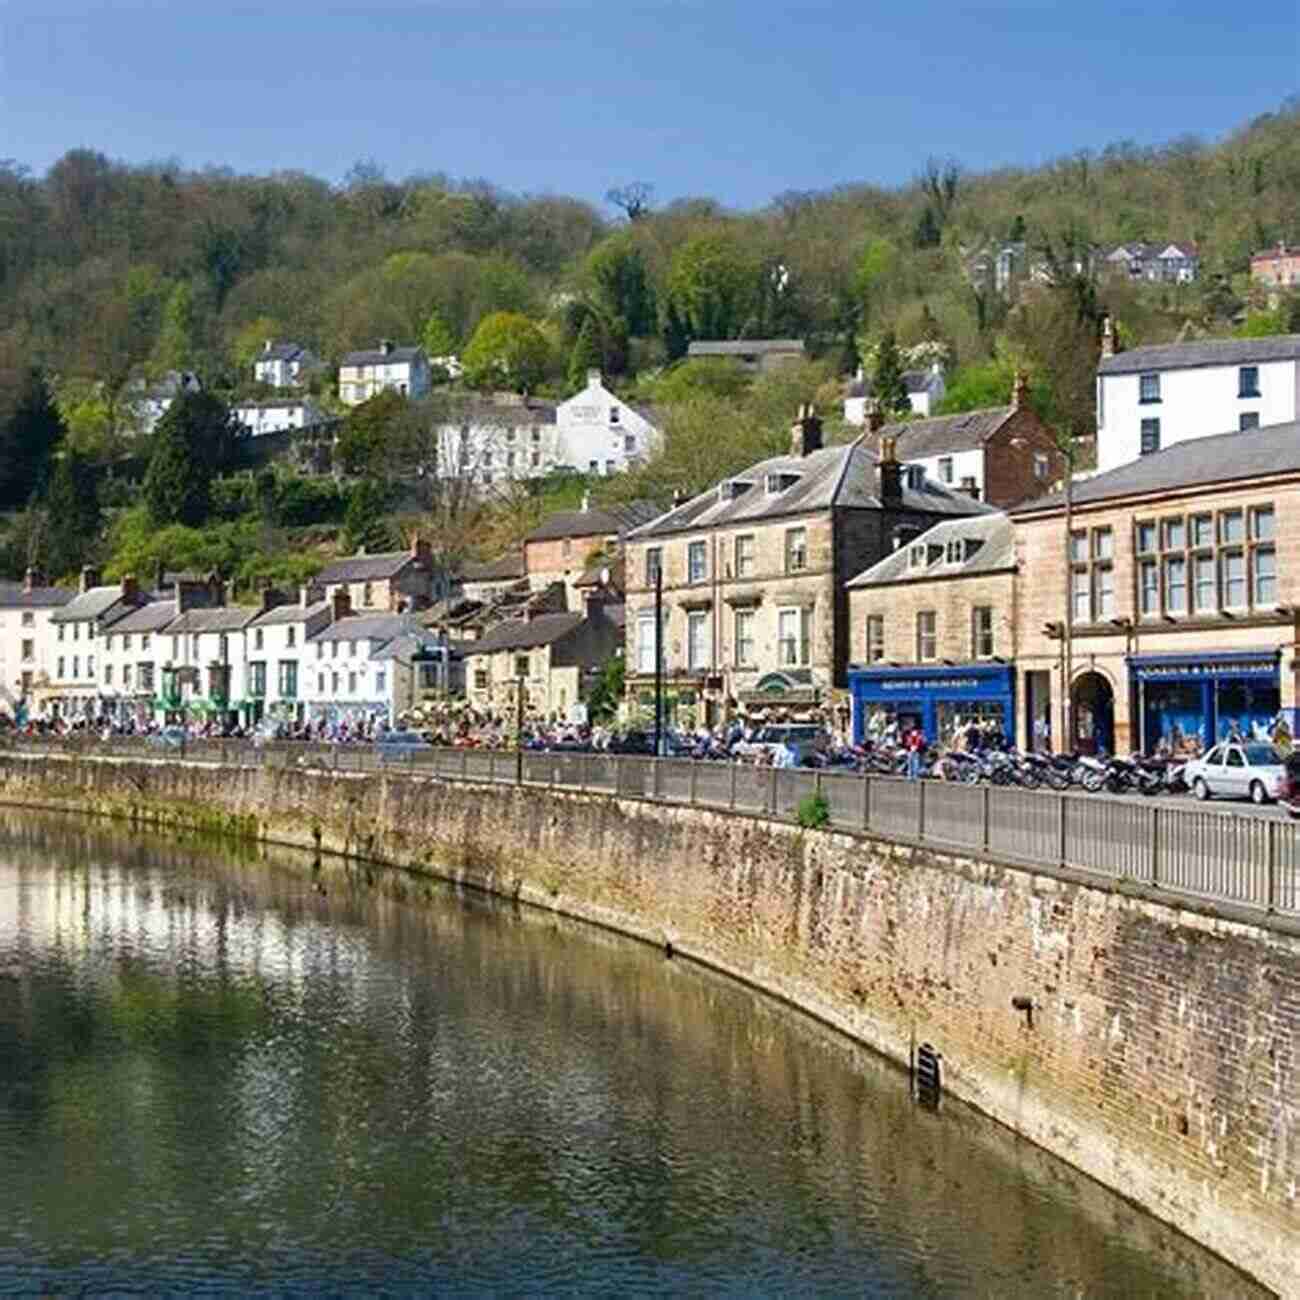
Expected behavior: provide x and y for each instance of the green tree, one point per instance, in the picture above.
(437, 339)
(587, 352)
(74, 512)
(30, 430)
(507, 351)
(713, 284)
(363, 520)
(606, 692)
(618, 271)
(369, 433)
(887, 384)
(196, 439)
(177, 346)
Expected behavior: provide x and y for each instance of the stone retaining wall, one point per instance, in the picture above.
(1154, 1048)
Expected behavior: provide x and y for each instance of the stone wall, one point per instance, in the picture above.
(1159, 1051)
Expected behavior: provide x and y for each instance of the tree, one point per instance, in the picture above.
(30, 430)
(196, 439)
(887, 384)
(74, 512)
(436, 339)
(621, 279)
(177, 343)
(363, 523)
(633, 199)
(366, 440)
(587, 353)
(713, 284)
(507, 350)
(606, 692)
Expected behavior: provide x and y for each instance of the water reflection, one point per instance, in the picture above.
(228, 1073)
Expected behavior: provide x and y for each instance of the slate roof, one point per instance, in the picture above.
(510, 565)
(368, 627)
(1202, 352)
(938, 434)
(996, 551)
(917, 381)
(742, 347)
(226, 618)
(281, 352)
(845, 475)
(378, 357)
(1199, 462)
(596, 522)
(526, 634)
(294, 612)
(152, 617)
(502, 415)
(14, 595)
(94, 603)
(363, 568)
(274, 404)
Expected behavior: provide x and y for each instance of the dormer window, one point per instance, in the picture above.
(914, 477)
(778, 483)
(731, 488)
(956, 551)
(916, 557)
(613, 415)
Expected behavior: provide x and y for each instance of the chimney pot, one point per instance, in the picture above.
(29, 579)
(385, 346)
(1020, 392)
(130, 587)
(342, 604)
(593, 378)
(891, 474)
(89, 578)
(1107, 337)
(806, 433)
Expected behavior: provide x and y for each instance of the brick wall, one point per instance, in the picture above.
(1009, 455)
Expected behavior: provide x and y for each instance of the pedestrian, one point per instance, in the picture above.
(915, 743)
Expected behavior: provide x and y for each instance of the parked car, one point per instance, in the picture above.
(401, 746)
(169, 737)
(804, 738)
(1238, 770)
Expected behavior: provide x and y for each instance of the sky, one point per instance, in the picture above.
(736, 101)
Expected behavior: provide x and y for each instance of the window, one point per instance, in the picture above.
(1232, 528)
(875, 638)
(696, 562)
(1248, 381)
(1145, 541)
(334, 649)
(536, 459)
(381, 681)
(697, 639)
(126, 677)
(645, 643)
(126, 641)
(654, 562)
(745, 555)
(29, 619)
(1148, 587)
(1148, 388)
(480, 679)
(334, 683)
(796, 549)
(955, 551)
(257, 640)
(1079, 596)
(76, 665)
(145, 674)
(1092, 583)
(290, 636)
(1204, 593)
(29, 651)
(320, 649)
(1232, 579)
(945, 469)
(1175, 585)
(1247, 420)
(1264, 568)
(108, 674)
(60, 631)
(1202, 530)
(744, 638)
(352, 683)
(320, 683)
(1041, 465)
(288, 680)
(76, 631)
(1079, 547)
(1150, 437)
(368, 594)
(609, 467)
(1103, 544)
(794, 636)
(593, 467)
(629, 444)
(926, 645)
(60, 667)
(1175, 534)
(613, 415)
(981, 632)
(521, 666)
(352, 649)
(1103, 591)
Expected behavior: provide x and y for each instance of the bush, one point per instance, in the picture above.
(814, 811)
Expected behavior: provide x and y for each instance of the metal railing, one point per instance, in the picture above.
(1214, 855)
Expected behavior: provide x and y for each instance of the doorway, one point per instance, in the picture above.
(1093, 714)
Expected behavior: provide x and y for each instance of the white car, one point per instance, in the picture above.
(1238, 770)
(803, 739)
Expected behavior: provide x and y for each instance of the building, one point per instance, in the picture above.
(1184, 590)
(564, 545)
(277, 415)
(386, 368)
(754, 355)
(388, 581)
(1153, 397)
(483, 580)
(925, 390)
(284, 365)
(599, 433)
(25, 639)
(273, 644)
(1001, 454)
(1276, 268)
(133, 651)
(932, 633)
(503, 439)
(541, 663)
(150, 402)
(753, 571)
(1172, 263)
(206, 672)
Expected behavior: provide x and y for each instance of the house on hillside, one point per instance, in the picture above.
(563, 546)
(754, 355)
(388, 581)
(599, 433)
(1276, 268)
(1153, 397)
(284, 365)
(25, 639)
(387, 368)
(1172, 263)
(498, 440)
(277, 415)
(925, 390)
(150, 402)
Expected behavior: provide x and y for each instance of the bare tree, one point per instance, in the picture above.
(633, 199)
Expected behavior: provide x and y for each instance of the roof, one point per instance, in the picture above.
(14, 595)
(526, 634)
(281, 352)
(94, 603)
(1202, 352)
(1199, 462)
(597, 522)
(917, 381)
(378, 357)
(225, 618)
(742, 347)
(484, 413)
(503, 568)
(937, 434)
(274, 404)
(368, 627)
(362, 568)
(995, 538)
(152, 617)
(294, 612)
(844, 475)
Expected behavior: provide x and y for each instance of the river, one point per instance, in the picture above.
(223, 1070)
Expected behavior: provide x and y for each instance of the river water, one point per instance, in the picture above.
(226, 1072)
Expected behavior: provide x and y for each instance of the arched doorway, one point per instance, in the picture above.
(1092, 711)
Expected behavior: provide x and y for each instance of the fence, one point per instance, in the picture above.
(1209, 854)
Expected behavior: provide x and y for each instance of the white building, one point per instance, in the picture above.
(274, 643)
(364, 374)
(499, 440)
(284, 365)
(599, 433)
(277, 415)
(1173, 263)
(1153, 397)
(25, 638)
(132, 652)
(925, 390)
(150, 402)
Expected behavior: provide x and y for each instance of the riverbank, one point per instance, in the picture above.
(1155, 1048)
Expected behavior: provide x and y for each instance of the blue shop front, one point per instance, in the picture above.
(1186, 702)
(939, 699)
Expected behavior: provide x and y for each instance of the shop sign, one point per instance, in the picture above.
(929, 684)
(788, 696)
(1210, 668)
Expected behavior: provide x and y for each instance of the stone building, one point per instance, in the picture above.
(755, 611)
(932, 633)
(1183, 583)
(366, 373)
(388, 581)
(564, 545)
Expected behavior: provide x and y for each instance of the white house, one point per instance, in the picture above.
(284, 365)
(498, 440)
(273, 644)
(599, 433)
(277, 415)
(1173, 263)
(925, 390)
(363, 374)
(25, 639)
(1153, 397)
(150, 402)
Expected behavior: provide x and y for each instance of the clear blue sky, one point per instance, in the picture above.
(736, 101)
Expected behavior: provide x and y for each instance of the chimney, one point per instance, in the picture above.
(305, 594)
(130, 587)
(159, 576)
(422, 550)
(593, 378)
(89, 578)
(875, 416)
(269, 345)
(1020, 392)
(678, 497)
(29, 580)
(342, 604)
(269, 597)
(969, 487)
(385, 346)
(216, 593)
(891, 474)
(806, 432)
(1107, 337)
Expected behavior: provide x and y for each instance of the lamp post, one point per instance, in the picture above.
(659, 660)
(1067, 628)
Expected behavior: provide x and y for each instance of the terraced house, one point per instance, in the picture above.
(754, 573)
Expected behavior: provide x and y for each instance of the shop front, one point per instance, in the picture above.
(786, 696)
(1186, 703)
(941, 701)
